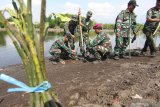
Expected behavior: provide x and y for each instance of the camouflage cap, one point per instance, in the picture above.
(132, 2)
(89, 13)
(74, 18)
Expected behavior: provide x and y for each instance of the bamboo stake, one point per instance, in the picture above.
(42, 28)
(30, 48)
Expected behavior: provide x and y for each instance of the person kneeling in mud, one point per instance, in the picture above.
(101, 46)
(60, 51)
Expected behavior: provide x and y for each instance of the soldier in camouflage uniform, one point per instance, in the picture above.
(69, 30)
(86, 27)
(153, 19)
(101, 45)
(59, 50)
(122, 28)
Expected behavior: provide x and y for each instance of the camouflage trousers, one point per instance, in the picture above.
(71, 42)
(99, 51)
(85, 41)
(121, 45)
(149, 43)
(58, 54)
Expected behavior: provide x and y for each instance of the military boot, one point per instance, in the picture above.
(124, 56)
(143, 53)
(153, 54)
(62, 61)
(116, 57)
(54, 58)
(96, 61)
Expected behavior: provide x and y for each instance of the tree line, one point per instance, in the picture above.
(56, 22)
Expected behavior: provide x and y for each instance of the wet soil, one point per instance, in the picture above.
(131, 82)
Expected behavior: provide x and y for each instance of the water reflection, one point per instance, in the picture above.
(9, 53)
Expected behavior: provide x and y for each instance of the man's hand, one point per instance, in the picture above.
(73, 52)
(72, 36)
(82, 50)
(134, 38)
(119, 41)
(81, 24)
(73, 55)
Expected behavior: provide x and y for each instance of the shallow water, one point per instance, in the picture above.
(9, 55)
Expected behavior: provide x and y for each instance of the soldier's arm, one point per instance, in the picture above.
(83, 24)
(89, 26)
(69, 50)
(63, 46)
(66, 28)
(153, 20)
(50, 50)
(108, 42)
(134, 23)
(97, 40)
(118, 24)
(149, 17)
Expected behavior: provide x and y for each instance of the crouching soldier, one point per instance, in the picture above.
(60, 51)
(101, 45)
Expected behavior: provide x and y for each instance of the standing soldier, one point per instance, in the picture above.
(101, 45)
(152, 22)
(60, 51)
(125, 21)
(86, 27)
(69, 31)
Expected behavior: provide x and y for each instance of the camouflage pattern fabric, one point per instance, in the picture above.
(149, 43)
(59, 49)
(100, 45)
(122, 27)
(87, 24)
(149, 28)
(121, 45)
(69, 30)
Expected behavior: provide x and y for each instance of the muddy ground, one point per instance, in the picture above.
(125, 83)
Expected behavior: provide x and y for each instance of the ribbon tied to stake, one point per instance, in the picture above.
(44, 86)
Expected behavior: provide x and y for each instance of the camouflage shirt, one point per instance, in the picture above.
(101, 39)
(70, 28)
(87, 24)
(122, 23)
(152, 13)
(59, 44)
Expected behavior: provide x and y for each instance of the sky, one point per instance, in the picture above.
(104, 11)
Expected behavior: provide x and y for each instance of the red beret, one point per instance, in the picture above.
(97, 26)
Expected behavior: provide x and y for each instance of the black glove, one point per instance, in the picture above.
(82, 50)
(134, 38)
(88, 48)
